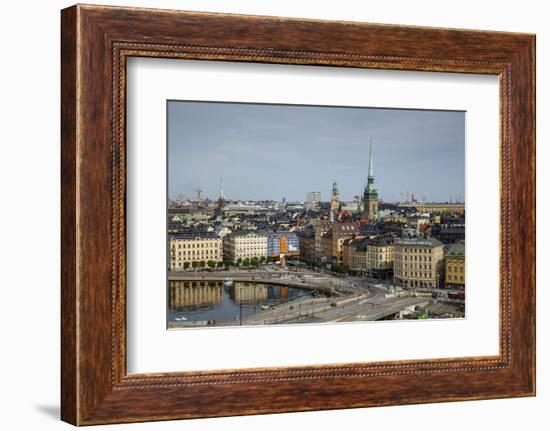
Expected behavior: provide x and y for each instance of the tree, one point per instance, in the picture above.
(195, 264)
(254, 261)
(246, 262)
(336, 267)
(186, 265)
(239, 261)
(211, 264)
(202, 263)
(262, 259)
(220, 264)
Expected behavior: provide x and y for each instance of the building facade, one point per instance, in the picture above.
(307, 245)
(418, 262)
(338, 234)
(243, 245)
(285, 243)
(455, 267)
(200, 247)
(370, 193)
(313, 200)
(354, 254)
(380, 258)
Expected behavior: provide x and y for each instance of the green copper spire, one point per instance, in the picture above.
(221, 189)
(371, 163)
(370, 191)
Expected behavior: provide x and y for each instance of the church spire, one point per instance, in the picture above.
(221, 189)
(371, 163)
(370, 193)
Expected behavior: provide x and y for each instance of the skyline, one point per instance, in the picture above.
(277, 146)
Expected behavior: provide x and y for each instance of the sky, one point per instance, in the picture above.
(267, 152)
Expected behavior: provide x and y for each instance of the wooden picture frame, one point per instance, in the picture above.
(95, 43)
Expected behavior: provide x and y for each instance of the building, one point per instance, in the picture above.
(370, 193)
(354, 254)
(313, 200)
(338, 234)
(418, 262)
(435, 207)
(307, 245)
(192, 249)
(283, 243)
(321, 242)
(380, 257)
(245, 208)
(334, 198)
(449, 234)
(455, 267)
(326, 246)
(244, 244)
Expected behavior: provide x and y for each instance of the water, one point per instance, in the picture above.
(190, 301)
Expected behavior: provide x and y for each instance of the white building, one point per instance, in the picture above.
(244, 244)
(313, 200)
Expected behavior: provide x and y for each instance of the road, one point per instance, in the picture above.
(352, 299)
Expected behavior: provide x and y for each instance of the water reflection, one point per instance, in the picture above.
(193, 294)
(212, 302)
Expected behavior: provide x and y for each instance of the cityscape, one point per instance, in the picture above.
(320, 258)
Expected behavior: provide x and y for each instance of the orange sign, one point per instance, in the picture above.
(284, 244)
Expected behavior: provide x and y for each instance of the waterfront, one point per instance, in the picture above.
(210, 301)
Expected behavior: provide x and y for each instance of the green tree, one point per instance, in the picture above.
(195, 264)
(246, 262)
(254, 261)
(211, 264)
(220, 264)
(239, 261)
(186, 265)
(202, 263)
(336, 267)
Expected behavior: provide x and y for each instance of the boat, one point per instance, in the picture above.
(228, 282)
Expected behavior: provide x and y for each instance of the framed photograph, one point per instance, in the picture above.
(263, 214)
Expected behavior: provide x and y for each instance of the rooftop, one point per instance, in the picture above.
(195, 235)
(457, 249)
(419, 242)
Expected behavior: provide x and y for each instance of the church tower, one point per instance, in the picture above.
(221, 200)
(334, 197)
(370, 194)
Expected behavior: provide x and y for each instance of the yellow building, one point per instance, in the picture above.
(339, 233)
(369, 256)
(418, 262)
(455, 267)
(380, 256)
(435, 207)
(186, 248)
